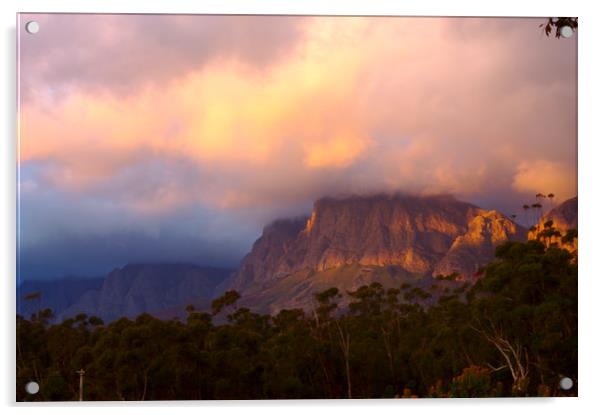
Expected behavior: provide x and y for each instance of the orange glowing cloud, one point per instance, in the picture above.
(224, 113)
(339, 151)
(539, 176)
(354, 104)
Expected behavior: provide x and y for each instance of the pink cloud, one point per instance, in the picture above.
(425, 105)
(539, 176)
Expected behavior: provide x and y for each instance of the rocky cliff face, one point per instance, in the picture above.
(346, 243)
(417, 235)
(564, 215)
(476, 246)
(564, 218)
(148, 288)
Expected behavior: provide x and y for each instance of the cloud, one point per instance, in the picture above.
(121, 54)
(88, 235)
(544, 176)
(96, 255)
(254, 118)
(338, 151)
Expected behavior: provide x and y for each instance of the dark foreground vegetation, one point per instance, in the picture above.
(514, 333)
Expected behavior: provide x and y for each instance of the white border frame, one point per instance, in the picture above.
(590, 136)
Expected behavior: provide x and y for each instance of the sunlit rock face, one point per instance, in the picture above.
(474, 248)
(419, 235)
(564, 217)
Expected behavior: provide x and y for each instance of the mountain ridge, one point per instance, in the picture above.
(57, 294)
(134, 289)
(345, 242)
(425, 235)
(139, 288)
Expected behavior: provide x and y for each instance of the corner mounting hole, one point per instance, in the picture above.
(566, 32)
(32, 27)
(566, 383)
(32, 388)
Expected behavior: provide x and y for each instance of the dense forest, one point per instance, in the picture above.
(512, 333)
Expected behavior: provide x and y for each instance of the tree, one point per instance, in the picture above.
(323, 316)
(551, 199)
(512, 332)
(569, 236)
(526, 307)
(367, 300)
(555, 24)
(35, 296)
(227, 299)
(326, 304)
(526, 210)
(345, 344)
(474, 382)
(537, 209)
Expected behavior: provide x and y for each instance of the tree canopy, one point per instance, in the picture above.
(513, 333)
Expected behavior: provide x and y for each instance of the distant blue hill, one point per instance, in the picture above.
(58, 294)
(160, 289)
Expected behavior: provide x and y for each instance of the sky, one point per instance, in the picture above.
(177, 137)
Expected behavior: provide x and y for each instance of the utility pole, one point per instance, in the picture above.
(81, 373)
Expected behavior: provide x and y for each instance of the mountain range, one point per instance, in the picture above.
(344, 242)
(161, 289)
(348, 242)
(58, 294)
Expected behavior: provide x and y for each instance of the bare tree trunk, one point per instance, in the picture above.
(345, 343)
(515, 356)
(389, 351)
(320, 357)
